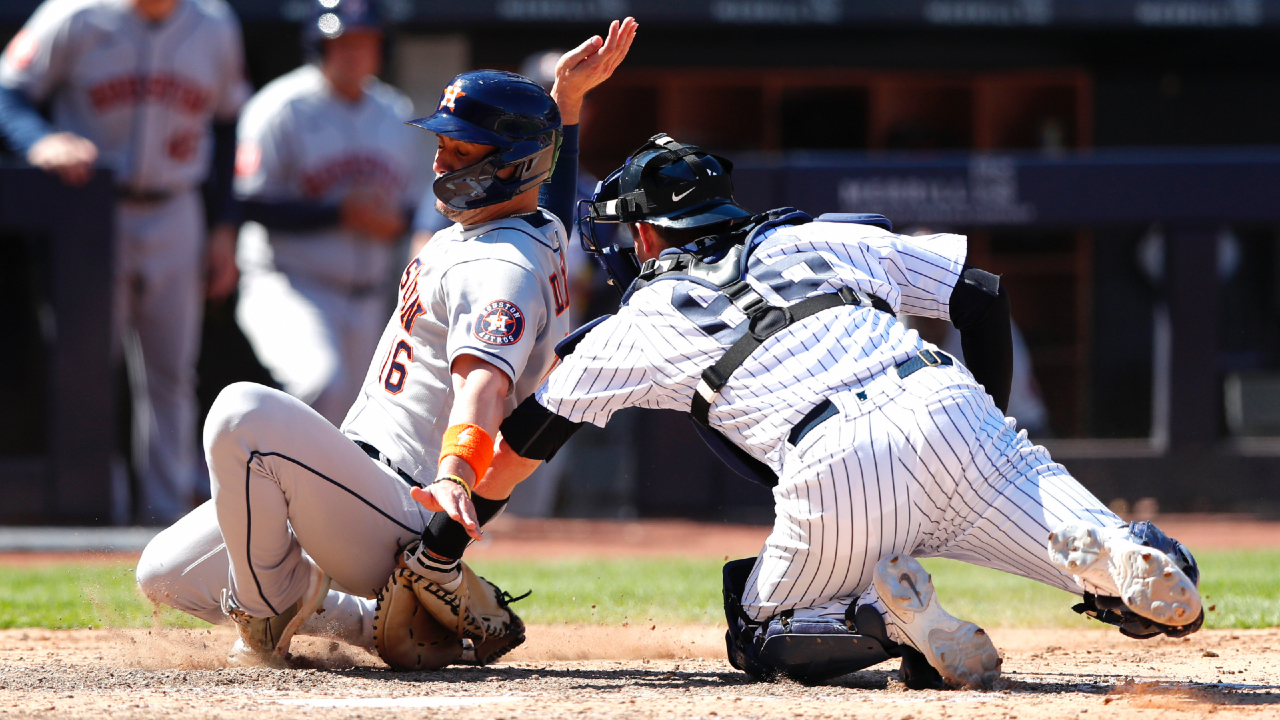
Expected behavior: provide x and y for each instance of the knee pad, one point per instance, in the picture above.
(807, 651)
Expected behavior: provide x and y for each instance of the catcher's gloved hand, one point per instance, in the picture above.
(475, 611)
(406, 636)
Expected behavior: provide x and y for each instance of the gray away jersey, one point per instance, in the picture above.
(496, 291)
(144, 93)
(652, 353)
(297, 140)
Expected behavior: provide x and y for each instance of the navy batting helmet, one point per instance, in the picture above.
(505, 110)
(331, 19)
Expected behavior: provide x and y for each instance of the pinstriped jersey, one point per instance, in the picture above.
(143, 92)
(496, 291)
(652, 353)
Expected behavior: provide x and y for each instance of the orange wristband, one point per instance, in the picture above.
(472, 444)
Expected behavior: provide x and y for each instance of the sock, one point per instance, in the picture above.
(446, 538)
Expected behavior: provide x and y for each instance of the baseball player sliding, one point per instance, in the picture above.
(779, 334)
(150, 89)
(300, 507)
(328, 174)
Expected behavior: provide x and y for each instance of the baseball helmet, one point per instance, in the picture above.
(508, 111)
(664, 183)
(331, 19)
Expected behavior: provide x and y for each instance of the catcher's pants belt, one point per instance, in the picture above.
(826, 409)
(376, 454)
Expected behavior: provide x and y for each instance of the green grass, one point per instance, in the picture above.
(1243, 585)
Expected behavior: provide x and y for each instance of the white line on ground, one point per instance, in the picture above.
(416, 702)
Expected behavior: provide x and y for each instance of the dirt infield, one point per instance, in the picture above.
(639, 671)
(617, 673)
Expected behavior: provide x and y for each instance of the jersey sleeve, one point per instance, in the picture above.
(924, 268)
(233, 87)
(36, 60)
(262, 152)
(496, 309)
(610, 369)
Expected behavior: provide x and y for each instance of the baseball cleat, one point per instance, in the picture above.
(265, 641)
(959, 650)
(1145, 579)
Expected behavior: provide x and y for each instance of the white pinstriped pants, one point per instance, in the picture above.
(926, 466)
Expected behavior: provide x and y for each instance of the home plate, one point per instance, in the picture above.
(416, 702)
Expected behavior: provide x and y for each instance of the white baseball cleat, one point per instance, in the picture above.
(1145, 579)
(265, 641)
(959, 650)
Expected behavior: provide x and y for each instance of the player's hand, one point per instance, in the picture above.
(588, 65)
(65, 154)
(449, 497)
(369, 214)
(221, 273)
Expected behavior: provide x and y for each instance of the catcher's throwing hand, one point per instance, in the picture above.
(449, 497)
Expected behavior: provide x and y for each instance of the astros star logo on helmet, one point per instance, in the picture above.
(451, 93)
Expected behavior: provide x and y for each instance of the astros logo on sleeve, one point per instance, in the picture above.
(500, 323)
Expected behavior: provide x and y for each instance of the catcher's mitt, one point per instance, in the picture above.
(471, 624)
(406, 636)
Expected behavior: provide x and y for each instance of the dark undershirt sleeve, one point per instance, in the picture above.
(561, 194)
(290, 215)
(220, 201)
(20, 122)
(536, 433)
(980, 311)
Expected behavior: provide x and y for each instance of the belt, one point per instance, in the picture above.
(136, 195)
(377, 455)
(824, 410)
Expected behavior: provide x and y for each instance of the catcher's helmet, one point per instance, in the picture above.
(509, 111)
(331, 19)
(663, 183)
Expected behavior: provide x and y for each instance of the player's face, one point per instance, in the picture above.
(155, 10)
(454, 154)
(352, 58)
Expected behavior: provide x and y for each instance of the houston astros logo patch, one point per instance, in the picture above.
(500, 323)
(451, 93)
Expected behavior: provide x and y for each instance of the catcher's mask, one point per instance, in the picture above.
(511, 112)
(664, 183)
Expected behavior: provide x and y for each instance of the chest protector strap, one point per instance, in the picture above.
(765, 320)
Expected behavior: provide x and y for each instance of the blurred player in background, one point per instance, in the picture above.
(328, 175)
(149, 89)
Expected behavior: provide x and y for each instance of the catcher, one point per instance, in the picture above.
(305, 516)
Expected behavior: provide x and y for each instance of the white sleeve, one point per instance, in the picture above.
(609, 370)
(233, 88)
(263, 166)
(496, 311)
(925, 269)
(37, 58)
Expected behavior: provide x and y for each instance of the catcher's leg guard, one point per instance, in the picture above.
(808, 651)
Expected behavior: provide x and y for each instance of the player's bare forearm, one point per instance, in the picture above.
(588, 65)
(479, 389)
(507, 471)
